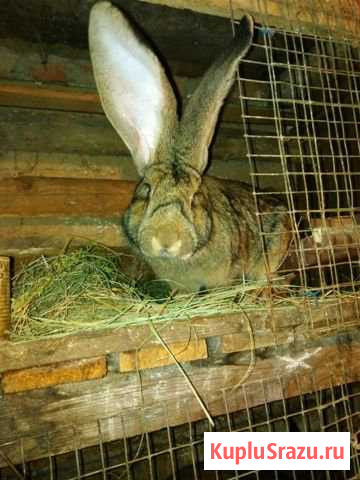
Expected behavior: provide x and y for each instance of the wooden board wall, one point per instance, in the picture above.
(338, 17)
(52, 127)
(78, 383)
(65, 174)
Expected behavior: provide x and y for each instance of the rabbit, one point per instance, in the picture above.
(196, 231)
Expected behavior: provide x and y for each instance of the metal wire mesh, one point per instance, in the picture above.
(300, 100)
(176, 452)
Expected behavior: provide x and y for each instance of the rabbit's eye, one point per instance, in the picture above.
(197, 199)
(143, 191)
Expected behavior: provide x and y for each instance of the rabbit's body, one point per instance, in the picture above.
(227, 244)
(196, 231)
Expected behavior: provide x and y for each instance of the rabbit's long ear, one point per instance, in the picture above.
(134, 91)
(201, 113)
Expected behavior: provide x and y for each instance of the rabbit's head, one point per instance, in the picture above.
(170, 215)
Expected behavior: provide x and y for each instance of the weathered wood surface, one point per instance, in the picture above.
(282, 325)
(69, 132)
(67, 415)
(41, 215)
(157, 356)
(75, 99)
(5, 309)
(15, 381)
(34, 95)
(50, 235)
(17, 163)
(58, 22)
(337, 16)
(32, 196)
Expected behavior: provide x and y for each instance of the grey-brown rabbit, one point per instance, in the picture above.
(195, 231)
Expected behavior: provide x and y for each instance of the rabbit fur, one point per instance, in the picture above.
(195, 231)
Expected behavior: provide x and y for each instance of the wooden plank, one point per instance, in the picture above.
(18, 89)
(42, 352)
(157, 356)
(309, 319)
(334, 15)
(128, 407)
(50, 235)
(55, 131)
(15, 381)
(75, 99)
(89, 134)
(17, 163)
(31, 196)
(35, 95)
(237, 342)
(5, 298)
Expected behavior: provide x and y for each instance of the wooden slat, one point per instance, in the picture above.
(74, 99)
(32, 95)
(157, 356)
(15, 381)
(17, 163)
(49, 235)
(89, 135)
(86, 133)
(334, 15)
(42, 352)
(31, 196)
(152, 404)
(324, 318)
(237, 342)
(86, 100)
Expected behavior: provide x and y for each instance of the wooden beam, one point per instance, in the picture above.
(35, 95)
(85, 133)
(86, 100)
(32, 196)
(328, 316)
(70, 415)
(34, 236)
(87, 344)
(18, 163)
(338, 16)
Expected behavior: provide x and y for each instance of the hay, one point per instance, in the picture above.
(86, 290)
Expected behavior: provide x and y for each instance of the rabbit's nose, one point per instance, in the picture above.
(165, 249)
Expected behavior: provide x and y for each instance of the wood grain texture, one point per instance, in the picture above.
(15, 381)
(80, 99)
(55, 131)
(336, 16)
(307, 320)
(157, 356)
(18, 163)
(68, 414)
(42, 352)
(44, 235)
(36, 95)
(237, 342)
(32, 196)
(5, 309)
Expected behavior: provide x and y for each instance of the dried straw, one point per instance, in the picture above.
(86, 290)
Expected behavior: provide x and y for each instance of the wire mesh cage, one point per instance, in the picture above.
(176, 452)
(299, 93)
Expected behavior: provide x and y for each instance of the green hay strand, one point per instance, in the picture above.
(86, 290)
